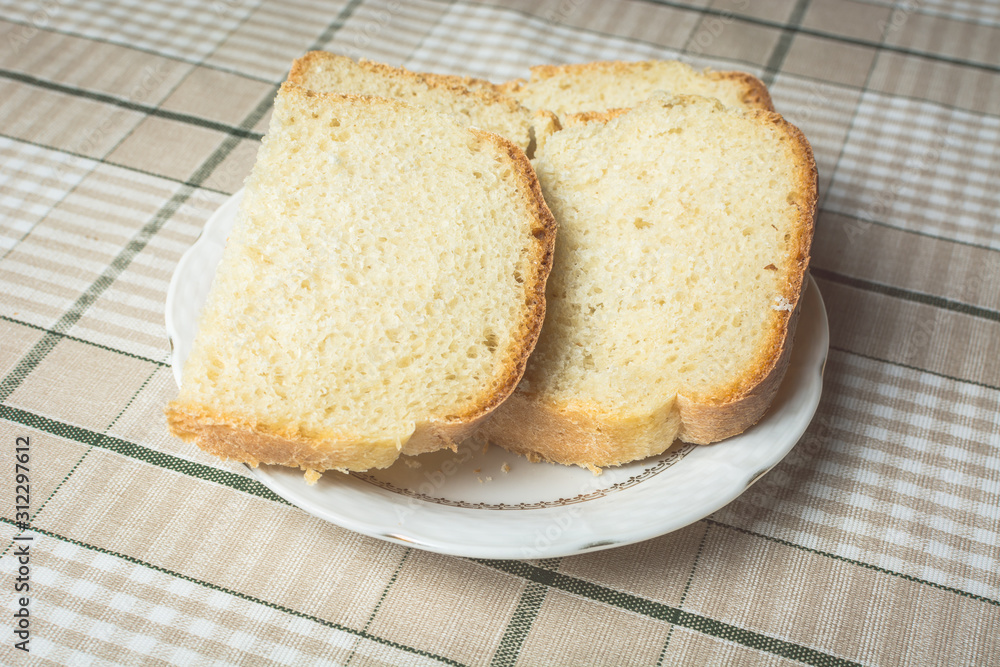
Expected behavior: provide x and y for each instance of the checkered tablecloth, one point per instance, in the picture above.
(124, 125)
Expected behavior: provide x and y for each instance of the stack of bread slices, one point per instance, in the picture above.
(582, 267)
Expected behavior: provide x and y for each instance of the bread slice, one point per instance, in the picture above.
(380, 293)
(476, 102)
(684, 237)
(606, 85)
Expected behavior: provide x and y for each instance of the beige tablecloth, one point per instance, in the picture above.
(124, 125)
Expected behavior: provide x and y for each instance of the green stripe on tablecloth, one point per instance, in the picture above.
(138, 452)
(243, 596)
(81, 156)
(385, 591)
(776, 25)
(916, 232)
(381, 599)
(334, 27)
(788, 31)
(917, 369)
(704, 11)
(130, 105)
(90, 449)
(837, 37)
(684, 593)
(851, 561)
(132, 46)
(76, 339)
(907, 295)
(87, 451)
(519, 625)
(253, 487)
(664, 612)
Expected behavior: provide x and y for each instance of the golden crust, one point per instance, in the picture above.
(238, 438)
(475, 92)
(527, 425)
(772, 358)
(586, 438)
(584, 117)
(459, 84)
(544, 232)
(232, 439)
(754, 93)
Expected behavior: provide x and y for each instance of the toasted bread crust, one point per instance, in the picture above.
(234, 438)
(481, 89)
(527, 425)
(584, 117)
(470, 91)
(753, 91)
(545, 234)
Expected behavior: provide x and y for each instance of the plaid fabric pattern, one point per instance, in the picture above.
(876, 541)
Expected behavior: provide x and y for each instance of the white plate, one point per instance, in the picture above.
(493, 504)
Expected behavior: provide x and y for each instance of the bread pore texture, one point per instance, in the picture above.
(684, 237)
(474, 102)
(379, 294)
(607, 85)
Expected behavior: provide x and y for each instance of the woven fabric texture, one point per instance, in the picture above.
(876, 541)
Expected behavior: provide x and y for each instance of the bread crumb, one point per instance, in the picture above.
(505, 468)
(312, 476)
(412, 463)
(477, 470)
(781, 303)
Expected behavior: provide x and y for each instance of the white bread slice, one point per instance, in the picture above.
(684, 237)
(606, 85)
(476, 102)
(379, 294)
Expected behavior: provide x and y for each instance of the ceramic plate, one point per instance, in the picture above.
(488, 503)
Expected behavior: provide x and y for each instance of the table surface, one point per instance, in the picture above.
(126, 124)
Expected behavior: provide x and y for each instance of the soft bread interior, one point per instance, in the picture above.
(384, 273)
(682, 244)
